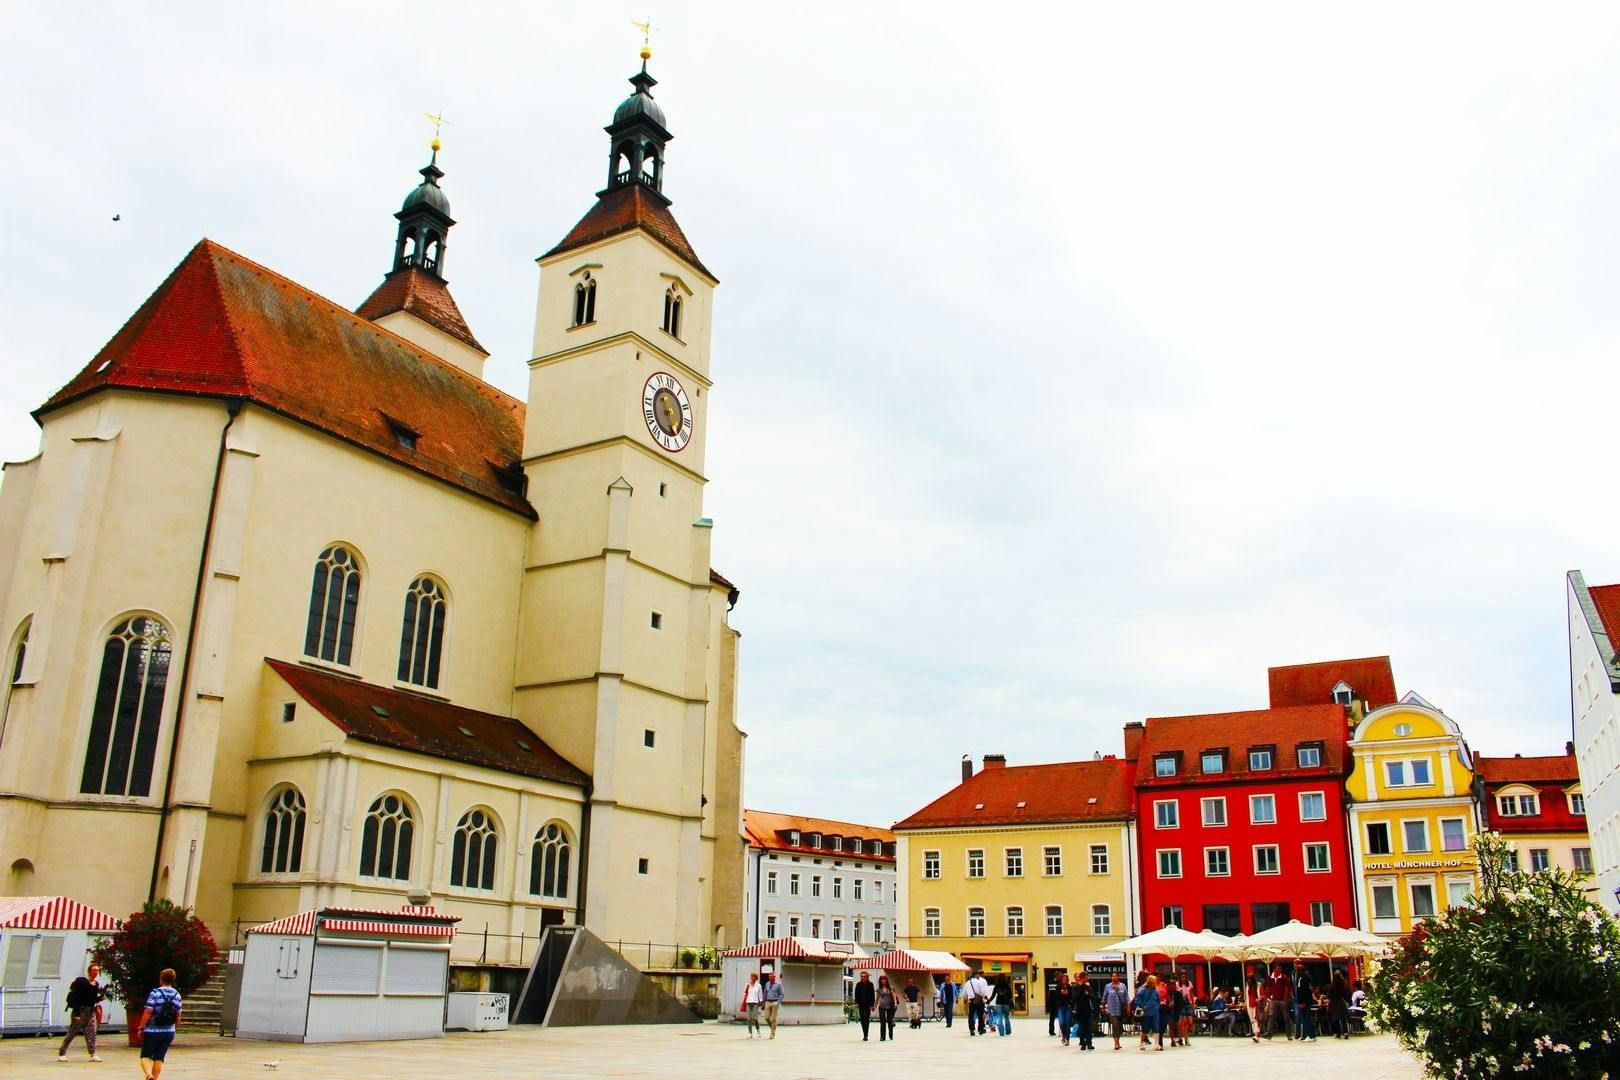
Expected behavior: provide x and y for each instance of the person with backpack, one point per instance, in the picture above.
(978, 999)
(84, 999)
(158, 1022)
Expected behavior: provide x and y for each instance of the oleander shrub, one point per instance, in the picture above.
(160, 935)
(1524, 981)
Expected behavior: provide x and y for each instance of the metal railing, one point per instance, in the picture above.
(25, 1008)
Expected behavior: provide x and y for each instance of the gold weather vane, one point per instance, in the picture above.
(438, 122)
(646, 29)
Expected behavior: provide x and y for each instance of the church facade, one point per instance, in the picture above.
(299, 610)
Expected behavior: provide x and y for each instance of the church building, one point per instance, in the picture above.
(299, 610)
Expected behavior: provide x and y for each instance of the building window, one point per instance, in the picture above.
(1171, 915)
(1510, 860)
(1321, 912)
(815, 841)
(1383, 897)
(1518, 805)
(770, 926)
(1378, 838)
(859, 883)
(931, 922)
(1453, 835)
(975, 862)
(1101, 922)
(1212, 762)
(1054, 920)
(815, 886)
(838, 930)
(815, 926)
(1260, 759)
(877, 929)
(877, 890)
(1265, 859)
(1099, 858)
(1223, 919)
(1164, 765)
(1316, 859)
(1422, 900)
(1015, 862)
(793, 837)
(1262, 809)
(585, 300)
(385, 840)
(1540, 859)
(975, 922)
(1403, 730)
(931, 865)
(837, 843)
(1015, 922)
(793, 926)
(1343, 695)
(838, 888)
(793, 884)
(1415, 836)
(1214, 811)
(1583, 859)
(1218, 861)
(1052, 861)
(1309, 756)
(1266, 916)
(649, 738)
(128, 709)
(770, 883)
(548, 863)
(1577, 801)
(472, 852)
(283, 851)
(857, 928)
(1413, 773)
(334, 604)
(1170, 863)
(1312, 806)
(1166, 815)
(672, 312)
(421, 635)
(1457, 891)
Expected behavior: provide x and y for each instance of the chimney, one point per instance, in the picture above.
(1569, 749)
(1135, 732)
(995, 761)
(967, 768)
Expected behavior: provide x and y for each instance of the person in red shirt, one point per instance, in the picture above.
(1279, 1001)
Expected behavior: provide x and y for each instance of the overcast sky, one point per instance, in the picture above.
(1072, 366)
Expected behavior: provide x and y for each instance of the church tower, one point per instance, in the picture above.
(626, 664)
(414, 299)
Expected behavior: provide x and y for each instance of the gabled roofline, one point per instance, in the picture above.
(1594, 626)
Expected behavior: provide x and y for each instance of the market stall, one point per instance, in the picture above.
(45, 944)
(927, 969)
(345, 974)
(812, 974)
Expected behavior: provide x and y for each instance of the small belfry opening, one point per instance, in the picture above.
(585, 300)
(672, 312)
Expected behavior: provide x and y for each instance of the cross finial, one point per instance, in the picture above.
(438, 122)
(646, 28)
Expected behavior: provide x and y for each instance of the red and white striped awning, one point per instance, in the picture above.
(52, 913)
(907, 960)
(800, 948)
(398, 923)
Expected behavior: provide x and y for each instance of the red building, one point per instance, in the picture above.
(1538, 805)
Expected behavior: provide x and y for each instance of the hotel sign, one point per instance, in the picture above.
(1420, 864)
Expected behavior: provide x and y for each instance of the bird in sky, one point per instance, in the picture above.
(118, 217)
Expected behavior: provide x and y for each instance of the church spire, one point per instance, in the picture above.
(424, 222)
(637, 136)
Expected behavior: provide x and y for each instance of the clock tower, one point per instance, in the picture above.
(626, 664)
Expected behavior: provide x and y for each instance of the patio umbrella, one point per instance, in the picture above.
(1296, 938)
(1171, 941)
(1236, 947)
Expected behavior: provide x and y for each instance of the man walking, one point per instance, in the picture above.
(158, 1021)
(913, 1003)
(1304, 1004)
(1082, 1010)
(1279, 995)
(947, 999)
(84, 999)
(978, 999)
(865, 998)
(1116, 998)
(773, 1000)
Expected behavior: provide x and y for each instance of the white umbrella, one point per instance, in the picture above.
(1297, 938)
(1168, 940)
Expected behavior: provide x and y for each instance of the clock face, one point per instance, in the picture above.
(667, 411)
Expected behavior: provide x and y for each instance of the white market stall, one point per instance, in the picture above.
(347, 974)
(812, 974)
(45, 944)
(927, 969)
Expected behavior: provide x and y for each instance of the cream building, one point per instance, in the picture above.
(1594, 698)
(299, 610)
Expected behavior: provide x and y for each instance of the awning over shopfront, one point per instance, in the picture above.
(800, 948)
(911, 960)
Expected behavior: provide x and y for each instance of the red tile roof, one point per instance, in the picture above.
(417, 292)
(1066, 791)
(1606, 598)
(763, 829)
(424, 726)
(1551, 769)
(621, 209)
(1236, 732)
(1312, 684)
(223, 326)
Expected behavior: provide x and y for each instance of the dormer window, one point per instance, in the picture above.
(1309, 755)
(1342, 694)
(672, 312)
(1518, 805)
(1212, 762)
(837, 843)
(585, 300)
(1577, 803)
(1165, 764)
(1262, 758)
(793, 837)
(403, 436)
(815, 840)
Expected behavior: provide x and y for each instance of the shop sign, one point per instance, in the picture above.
(1419, 864)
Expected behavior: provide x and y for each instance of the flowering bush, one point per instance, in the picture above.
(1526, 980)
(160, 935)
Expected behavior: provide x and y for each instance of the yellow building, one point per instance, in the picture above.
(1022, 871)
(1413, 815)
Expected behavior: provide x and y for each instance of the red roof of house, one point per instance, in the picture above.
(1550, 769)
(376, 714)
(633, 206)
(1606, 598)
(1032, 794)
(763, 829)
(1370, 677)
(417, 292)
(221, 325)
(1236, 732)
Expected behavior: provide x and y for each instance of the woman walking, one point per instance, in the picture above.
(1338, 996)
(1146, 1004)
(885, 1007)
(84, 999)
(1004, 1002)
(1057, 1005)
(1256, 1001)
(753, 998)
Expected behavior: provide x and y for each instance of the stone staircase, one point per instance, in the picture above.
(202, 1006)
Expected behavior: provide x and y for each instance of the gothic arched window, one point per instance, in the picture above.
(22, 648)
(672, 311)
(334, 603)
(283, 851)
(472, 853)
(421, 634)
(585, 300)
(548, 862)
(128, 709)
(385, 842)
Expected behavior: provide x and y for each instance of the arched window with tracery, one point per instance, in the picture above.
(585, 300)
(21, 654)
(385, 842)
(421, 635)
(128, 709)
(283, 851)
(472, 852)
(548, 862)
(334, 605)
(672, 312)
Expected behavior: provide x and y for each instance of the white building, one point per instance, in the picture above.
(816, 878)
(1594, 692)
